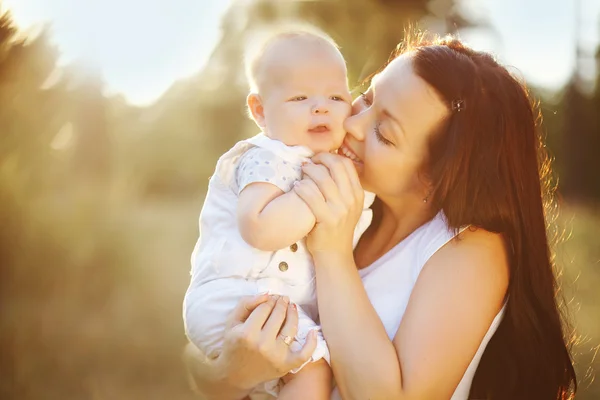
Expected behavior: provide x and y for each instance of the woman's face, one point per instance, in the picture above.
(389, 130)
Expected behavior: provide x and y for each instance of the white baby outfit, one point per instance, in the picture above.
(225, 268)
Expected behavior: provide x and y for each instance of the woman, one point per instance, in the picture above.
(450, 293)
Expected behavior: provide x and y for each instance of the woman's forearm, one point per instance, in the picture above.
(209, 377)
(364, 360)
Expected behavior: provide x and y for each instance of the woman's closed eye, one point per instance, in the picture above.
(380, 138)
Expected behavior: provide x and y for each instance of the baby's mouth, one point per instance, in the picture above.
(321, 128)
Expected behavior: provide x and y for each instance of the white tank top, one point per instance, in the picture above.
(389, 281)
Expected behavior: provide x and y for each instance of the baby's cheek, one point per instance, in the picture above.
(345, 108)
(344, 114)
(339, 136)
(290, 120)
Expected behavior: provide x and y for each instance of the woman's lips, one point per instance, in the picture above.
(346, 151)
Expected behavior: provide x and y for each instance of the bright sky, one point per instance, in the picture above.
(142, 46)
(538, 36)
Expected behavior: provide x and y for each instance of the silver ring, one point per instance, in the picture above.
(286, 339)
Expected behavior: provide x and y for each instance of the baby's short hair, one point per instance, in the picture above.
(259, 40)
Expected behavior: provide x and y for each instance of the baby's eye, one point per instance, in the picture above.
(298, 98)
(337, 98)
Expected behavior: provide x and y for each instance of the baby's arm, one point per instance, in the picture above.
(270, 219)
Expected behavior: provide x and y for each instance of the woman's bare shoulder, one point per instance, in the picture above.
(474, 254)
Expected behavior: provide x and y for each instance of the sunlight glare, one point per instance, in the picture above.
(141, 46)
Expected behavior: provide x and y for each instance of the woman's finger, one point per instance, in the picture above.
(259, 316)
(299, 358)
(308, 191)
(357, 188)
(359, 192)
(338, 169)
(290, 326)
(321, 176)
(277, 318)
(245, 307)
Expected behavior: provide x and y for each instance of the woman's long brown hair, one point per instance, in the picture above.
(490, 170)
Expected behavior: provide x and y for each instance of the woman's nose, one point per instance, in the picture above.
(356, 125)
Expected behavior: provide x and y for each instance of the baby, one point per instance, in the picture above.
(252, 224)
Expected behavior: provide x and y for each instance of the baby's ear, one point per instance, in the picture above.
(256, 109)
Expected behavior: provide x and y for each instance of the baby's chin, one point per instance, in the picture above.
(324, 149)
(330, 147)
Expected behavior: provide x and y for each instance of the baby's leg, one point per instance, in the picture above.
(312, 382)
(207, 309)
(206, 312)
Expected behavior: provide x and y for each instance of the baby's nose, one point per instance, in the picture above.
(320, 108)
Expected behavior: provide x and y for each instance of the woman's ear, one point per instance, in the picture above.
(256, 109)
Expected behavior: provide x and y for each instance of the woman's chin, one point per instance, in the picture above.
(365, 185)
(359, 168)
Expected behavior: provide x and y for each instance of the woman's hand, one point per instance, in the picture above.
(254, 350)
(332, 191)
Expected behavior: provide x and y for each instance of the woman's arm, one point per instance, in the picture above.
(208, 378)
(253, 351)
(456, 297)
(363, 358)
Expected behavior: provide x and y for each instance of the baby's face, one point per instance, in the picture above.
(307, 100)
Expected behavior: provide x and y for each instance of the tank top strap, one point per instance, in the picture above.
(436, 235)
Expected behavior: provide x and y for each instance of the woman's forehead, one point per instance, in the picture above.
(399, 81)
(399, 90)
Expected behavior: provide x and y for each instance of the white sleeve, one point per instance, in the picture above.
(262, 165)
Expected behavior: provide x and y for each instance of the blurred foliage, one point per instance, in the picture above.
(99, 199)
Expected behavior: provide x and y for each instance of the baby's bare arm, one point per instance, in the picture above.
(270, 219)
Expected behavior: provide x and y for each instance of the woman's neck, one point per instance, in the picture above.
(393, 221)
